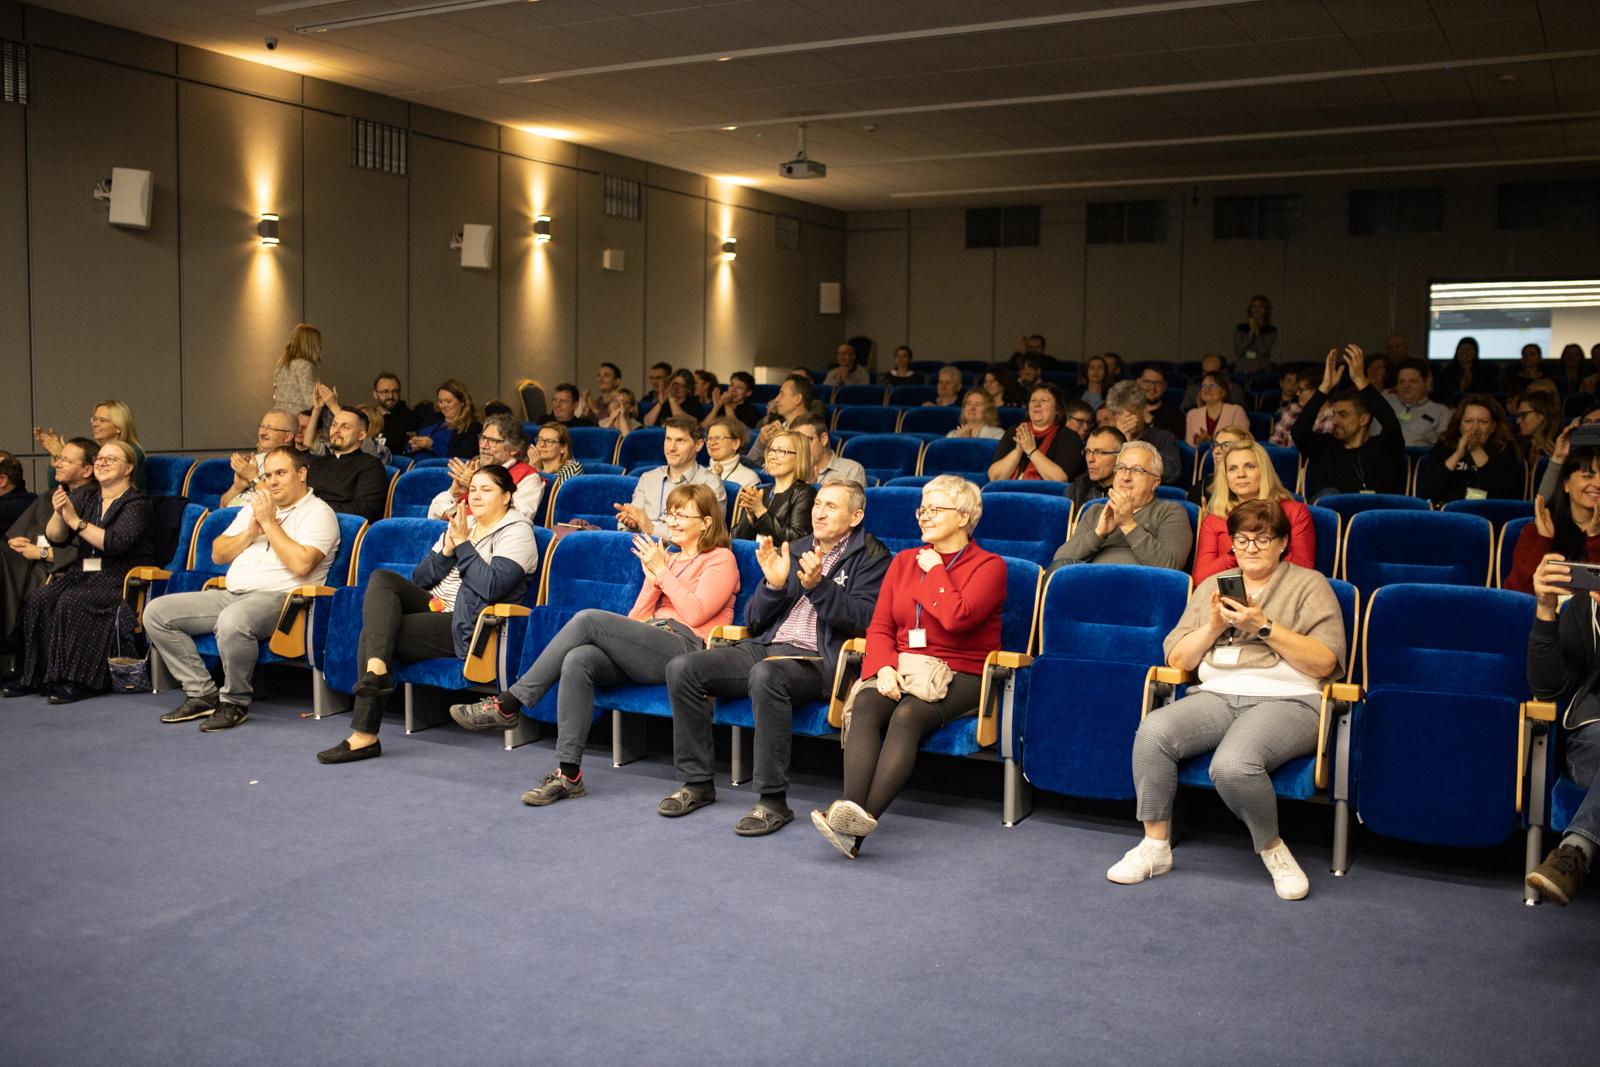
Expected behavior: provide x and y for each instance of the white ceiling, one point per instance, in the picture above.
(1295, 69)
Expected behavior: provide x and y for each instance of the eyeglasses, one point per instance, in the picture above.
(109, 461)
(1525, 414)
(1102, 452)
(484, 438)
(928, 511)
(782, 452)
(718, 437)
(1130, 469)
(1077, 420)
(264, 428)
(549, 441)
(1244, 541)
(682, 516)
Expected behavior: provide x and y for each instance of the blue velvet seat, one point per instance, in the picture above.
(166, 475)
(928, 423)
(605, 468)
(424, 462)
(866, 420)
(1498, 512)
(1100, 628)
(592, 497)
(1436, 742)
(412, 492)
(909, 481)
(592, 443)
(1385, 547)
(1326, 524)
(884, 455)
(641, 446)
(965, 456)
(1029, 485)
(914, 396)
(859, 394)
(1024, 526)
(142, 583)
(1506, 549)
(1349, 505)
(207, 481)
(892, 516)
(1285, 463)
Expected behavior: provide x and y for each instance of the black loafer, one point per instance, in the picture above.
(343, 753)
(16, 689)
(69, 693)
(374, 685)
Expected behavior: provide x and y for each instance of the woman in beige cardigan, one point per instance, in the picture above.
(1262, 663)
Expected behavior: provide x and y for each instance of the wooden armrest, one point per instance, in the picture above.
(135, 583)
(1530, 711)
(483, 649)
(289, 635)
(988, 697)
(508, 611)
(1539, 710)
(145, 574)
(314, 591)
(856, 644)
(220, 582)
(729, 634)
(1159, 675)
(1332, 693)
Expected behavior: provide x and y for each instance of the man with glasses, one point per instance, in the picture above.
(276, 429)
(398, 419)
(1420, 418)
(1100, 461)
(501, 444)
(285, 539)
(29, 557)
(1132, 525)
(725, 438)
(825, 463)
(564, 408)
(680, 446)
(1158, 413)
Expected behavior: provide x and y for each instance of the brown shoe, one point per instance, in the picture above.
(1561, 874)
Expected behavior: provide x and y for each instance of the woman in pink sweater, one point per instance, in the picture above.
(684, 596)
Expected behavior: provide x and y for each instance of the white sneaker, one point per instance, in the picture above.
(848, 817)
(1287, 877)
(1142, 862)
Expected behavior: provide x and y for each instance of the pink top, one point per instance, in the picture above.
(698, 594)
(1232, 415)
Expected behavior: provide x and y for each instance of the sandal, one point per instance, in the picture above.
(683, 801)
(762, 820)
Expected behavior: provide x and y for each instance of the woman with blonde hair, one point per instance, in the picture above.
(979, 417)
(454, 430)
(622, 412)
(112, 421)
(294, 378)
(1247, 474)
(782, 510)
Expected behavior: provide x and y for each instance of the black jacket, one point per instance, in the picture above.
(1378, 465)
(1562, 663)
(844, 599)
(788, 516)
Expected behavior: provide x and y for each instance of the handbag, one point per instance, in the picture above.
(924, 677)
(129, 674)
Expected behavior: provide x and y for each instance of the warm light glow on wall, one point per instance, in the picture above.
(267, 229)
(555, 133)
(730, 249)
(733, 179)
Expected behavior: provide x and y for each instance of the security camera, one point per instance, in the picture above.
(272, 44)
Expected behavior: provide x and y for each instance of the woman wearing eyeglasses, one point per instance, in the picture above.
(1041, 447)
(782, 510)
(1261, 664)
(1214, 413)
(685, 594)
(552, 453)
(1538, 424)
(1248, 474)
(937, 618)
(71, 625)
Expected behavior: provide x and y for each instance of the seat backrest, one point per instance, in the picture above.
(1498, 512)
(913, 396)
(1349, 505)
(1009, 416)
(1018, 485)
(593, 569)
(199, 566)
(921, 420)
(750, 577)
(870, 420)
(415, 489)
(1285, 463)
(910, 481)
(591, 497)
(884, 455)
(597, 443)
(1442, 638)
(352, 529)
(396, 545)
(859, 394)
(208, 480)
(183, 543)
(1385, 547)
(1116, 612)
(604, 468)
(1186, 463)
(967, 456)
(534, 404)
(1326, 524)
(641, 446)
(763, 394)
(1024, 526)
(165, 475)
(1505, 553)
(1019, 617)
(892, 515)
(1350, 608)
(1171, 492)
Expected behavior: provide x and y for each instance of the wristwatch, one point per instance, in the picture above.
(81, 524)
(1265, 631)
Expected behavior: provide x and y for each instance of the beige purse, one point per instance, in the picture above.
(924, 677)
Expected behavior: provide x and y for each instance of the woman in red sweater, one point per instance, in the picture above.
(1248, 475)
(1569, 527)
(941, 601)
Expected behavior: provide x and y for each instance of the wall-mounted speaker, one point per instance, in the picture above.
(613, 259)
(477, 246)
(830, 298)
(130, 198)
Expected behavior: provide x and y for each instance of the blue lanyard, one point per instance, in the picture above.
(924, 577)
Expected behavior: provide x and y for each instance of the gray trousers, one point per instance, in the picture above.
(596, 649)
(774, 686)
(241, 622)
(1252, 736)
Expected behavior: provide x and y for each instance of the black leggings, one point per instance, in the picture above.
(885, 735)
(396, 624)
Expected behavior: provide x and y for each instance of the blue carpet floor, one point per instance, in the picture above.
(173, 897)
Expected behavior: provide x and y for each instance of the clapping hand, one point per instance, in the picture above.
(263, 511)
(461, 471)
(1025, 439)
(633, 518)
(419, 443)
(774, 562)
(324, 396)
(1357, 361)
(652, 556)
(716, 397)
(62, 503)
(244, 468)
(750, 500)
(1332, 372)
(49, 440)
(460, 529)
(811, 569)
(1542, 520)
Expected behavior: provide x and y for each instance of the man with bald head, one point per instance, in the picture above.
(277, 428)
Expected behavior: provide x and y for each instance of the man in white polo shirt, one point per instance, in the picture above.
(286, 538)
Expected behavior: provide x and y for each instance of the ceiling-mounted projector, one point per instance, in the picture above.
(800, 168)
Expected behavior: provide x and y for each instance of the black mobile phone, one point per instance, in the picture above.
(1232, 587)
(1584, 576)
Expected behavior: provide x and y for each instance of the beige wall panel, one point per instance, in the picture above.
(1219, 277)
(240, 156)
(52, 29)
(16, 400)
(786, 307)
(1131, 302)
(1040, 290)
(212, 68)
(532, 146)
(610, 303)
(1336, 291)
(1440, 257)
(673, 180)
(733, 289)
(454, 313)
(538, 283)
(952, 290)
(676, 268)
(11, 20)
(449, 126)
(875, 297)
(355, 260)
(102, 296)
(343, 100)
(823, 250)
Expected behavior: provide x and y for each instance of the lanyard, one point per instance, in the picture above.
(924, 577)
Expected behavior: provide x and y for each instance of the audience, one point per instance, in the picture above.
(1096, 380)
(14, 496)
(819, 592)
(276, 429)
(946, 388)
(1253, 338)
(1248, 474)
(564, 408)
(1041, 446)
(825, 463)
(1528, 368)
(1002, 387)
(679, 446)
(343, 474)
(705, 384)
(398, 419)
(29, 557)
(1100, 467)
(936, 619)
(1377, 369)
(679, 403)
(1570, 370)
(622, 414)
(284, 539)
(1569, 525)
(734, 401)
(112, 421)
(781, 511)
(980, 417)
(454, 430)
(1261, 664)
(607, 380)
(294, 377)
(1030, 372)
(656, 391)
(552, 454)
(501, 444)
(1157, 411)
(725, 438)
(484, 556)
(1349, 459)
(1461, 374)
(684, 596)
(1127, 406)
(846, 372)
(1213, 412)
(1476, 456)
(1212, 363)
(72, 624)
(1421, 419)
(792, 402)
(1132, 524)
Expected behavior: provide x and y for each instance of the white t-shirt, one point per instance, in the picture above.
(1278, 680)
(309, 522)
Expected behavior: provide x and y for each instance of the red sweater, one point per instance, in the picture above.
(1533, 547)
(960, 610)
(1213, 554)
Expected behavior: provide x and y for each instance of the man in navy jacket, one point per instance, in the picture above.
(818, 593)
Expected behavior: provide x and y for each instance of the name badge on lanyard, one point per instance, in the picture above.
(917, 637)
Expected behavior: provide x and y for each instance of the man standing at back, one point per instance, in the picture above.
(284, 539)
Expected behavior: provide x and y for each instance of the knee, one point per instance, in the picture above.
(680, 672)
(1231, 768)
(583, 662)
(231, 622)
(155, 614)
(767, 681)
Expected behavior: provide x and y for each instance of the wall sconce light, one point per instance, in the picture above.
(541, 228)
(730, 248)
(267, 228)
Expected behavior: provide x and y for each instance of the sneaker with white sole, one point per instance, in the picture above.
(1287, 877)
(851, 819)
(1141, 863)
(848, 846)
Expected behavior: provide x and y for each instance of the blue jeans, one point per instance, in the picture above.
(1583, 767)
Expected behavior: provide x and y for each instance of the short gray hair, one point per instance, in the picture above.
(1155, 465)
(852, 488)
(968, 500)
(510, 429)
(292, 416)
(1126, 396)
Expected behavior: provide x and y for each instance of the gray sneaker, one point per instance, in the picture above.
(193, 708)
(555, 786)
(486, 714)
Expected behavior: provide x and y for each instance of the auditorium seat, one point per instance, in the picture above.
(912, 396)
(166, 475)
(892, 516)
(411, 493)
(1026, 485)
(859, 394)
(605, 468)
(535, 405)
(1024, 526)
(590, 443)
(208, 480)
(911, 481)
(1171, 492)
(884, 455)
(928, 422)
(1348, 505)
(964, 456)
(423, 462)
(1506, 549)
(592, 497)
(874, 420)
(142, 583)
(1498, 512)
(1327, 525)
(1434, 547)
(641, 446)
